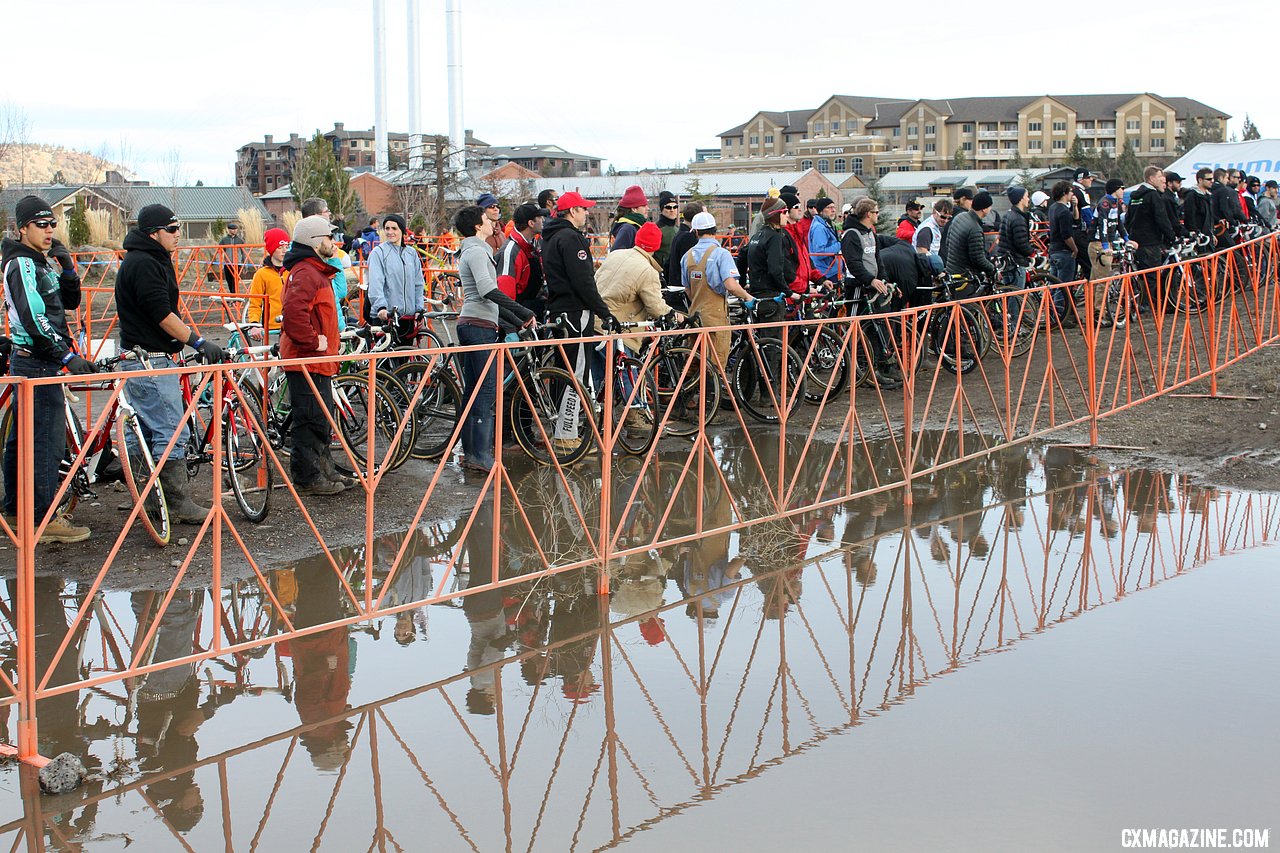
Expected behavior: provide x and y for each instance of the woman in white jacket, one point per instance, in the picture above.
(395, 275)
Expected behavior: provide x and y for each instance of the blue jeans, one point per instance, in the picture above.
(50, 434)
(1063, 265)
(481, 385)
(158, 402)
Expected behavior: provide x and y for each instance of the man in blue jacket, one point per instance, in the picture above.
(824, 245)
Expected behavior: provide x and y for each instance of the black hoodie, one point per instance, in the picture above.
(146, 293)
(37, 300)
(569, 271)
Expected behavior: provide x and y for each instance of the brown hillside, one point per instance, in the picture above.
(39, 164)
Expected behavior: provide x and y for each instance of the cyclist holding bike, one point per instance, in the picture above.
(38, 298)
(710, 274)
(861, 246)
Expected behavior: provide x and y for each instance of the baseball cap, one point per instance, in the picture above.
(1039, 197)
(526, 213)
(1174, 176)
(963, 192)
(703, 221)
(569, 200)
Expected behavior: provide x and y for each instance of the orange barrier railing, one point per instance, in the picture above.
(911, 593)
(734, 474)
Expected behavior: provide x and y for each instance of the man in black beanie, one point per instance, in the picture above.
(38, 298)
(668, 224)
(147, 307)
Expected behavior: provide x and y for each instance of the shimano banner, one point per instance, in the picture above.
(1260, 157)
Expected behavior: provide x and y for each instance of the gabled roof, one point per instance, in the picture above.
(196, 204)
(862, 105)
(791, 121)
(522, 152)
(53, 194)
(723, 184)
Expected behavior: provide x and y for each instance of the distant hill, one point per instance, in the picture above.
(39, 164)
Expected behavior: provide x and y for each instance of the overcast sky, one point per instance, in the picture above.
(637, 84)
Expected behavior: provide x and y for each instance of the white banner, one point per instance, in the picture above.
(1259, 157)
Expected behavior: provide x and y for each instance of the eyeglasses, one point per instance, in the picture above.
(45, 223)
(940, 217)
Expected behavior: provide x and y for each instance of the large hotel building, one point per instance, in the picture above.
(856, 135)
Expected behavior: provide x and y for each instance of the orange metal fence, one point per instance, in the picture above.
(732, 473)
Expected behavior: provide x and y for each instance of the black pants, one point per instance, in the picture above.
(230, 276)
(1082, 256)
(1147, 258)
(309, 427)
(50, 437)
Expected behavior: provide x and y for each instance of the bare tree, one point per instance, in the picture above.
(15, 134)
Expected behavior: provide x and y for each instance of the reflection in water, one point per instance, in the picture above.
(582, 717)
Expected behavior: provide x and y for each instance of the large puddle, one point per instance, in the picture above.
(759, 689)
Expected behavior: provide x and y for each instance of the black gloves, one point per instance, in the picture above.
(61, 254)
(75, 364)
(610, 324)
(210, 352)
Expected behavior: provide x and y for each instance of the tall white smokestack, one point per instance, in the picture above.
(380, 86)
(453, 34)
(415, 100)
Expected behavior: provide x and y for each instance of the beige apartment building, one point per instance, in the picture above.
(869, 136)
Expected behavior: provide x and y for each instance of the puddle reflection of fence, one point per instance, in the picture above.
(573, 728)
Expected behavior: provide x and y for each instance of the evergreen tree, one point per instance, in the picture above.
(218, 228)
(78, 224)
(1128, 169)
(319, 174)
(693, 192)
(1250, 130)
(885, 223)
(958, 160)
(1199, 129)
(1076, 155)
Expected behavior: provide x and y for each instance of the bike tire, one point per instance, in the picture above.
(438, 409)
(245, 459)
(682, 406)
(827, 372)
(351, 411)
(757, 379)
(635, 414)
(973, 343)
(138, 466)
(535, 398)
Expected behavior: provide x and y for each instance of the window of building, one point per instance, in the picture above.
(930, 148)
(768, 139)
(755, 140)
(913, 147)
(728, 143)
(967, 128)
(842, 165)
(1033, 145)
(987, 125)
(817, 127)
(1009, 125)
(1133, 124)
(1106, 125)
(857, 166)
(967, 146)
(930, 129)
(1157, 124)
(897, 131)
(987, 146)
(1059, 127)
(904, 168)
(913, 129)
(1084, 125)
(1034, 127)
(824, 165)
(806, 165)
(882, 171)
(835, 127)
(1157, 144)
(1059, 145)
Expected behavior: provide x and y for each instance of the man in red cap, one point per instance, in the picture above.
(633, 211)
(571, 290)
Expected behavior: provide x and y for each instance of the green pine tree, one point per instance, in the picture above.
(1250, 130)
(218, 228)
(958, 160)
(884, 224)
(1128, 169)
(1076, 155)
(319, 174)
(78, 224)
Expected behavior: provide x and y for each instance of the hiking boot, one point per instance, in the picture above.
(320, 487)
(110, 470)
(60, 529)
(177, 493)
(885, 381)
(1105, 321)
(637, 419)
(330, 472)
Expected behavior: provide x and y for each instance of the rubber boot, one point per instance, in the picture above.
(177, 493)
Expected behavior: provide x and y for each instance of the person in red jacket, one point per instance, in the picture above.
(909, 221)
(520, 262)
(309, 328)
(797, 225)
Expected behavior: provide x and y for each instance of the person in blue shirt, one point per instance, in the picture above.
(710, 274)
(824, 245)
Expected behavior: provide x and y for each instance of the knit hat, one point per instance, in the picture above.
(486, 200)
(312, 230)
(648, 237)
(652, 631)
(30, 208)
(790, 198)
(153, 217)
(1016, 195)
(787, 188)
(666, 197)
(773, 207)
(822, 203)
(963, 192)
(703, 221)
(398, 220)
(982, 201)
(273, 238)
(634, 197)
(1114, 185)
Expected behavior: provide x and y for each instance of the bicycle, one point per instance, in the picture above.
(757, 364)
(687, 397)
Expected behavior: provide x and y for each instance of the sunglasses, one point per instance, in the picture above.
(172, 229)
(45, 223)
(671, 207)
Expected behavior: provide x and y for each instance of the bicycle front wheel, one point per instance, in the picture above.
(686, 398)
(245, 459)
(551, 421)
(635, 407)
(767, 379)
(437, 410)
(136, 461)
(352, 413)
